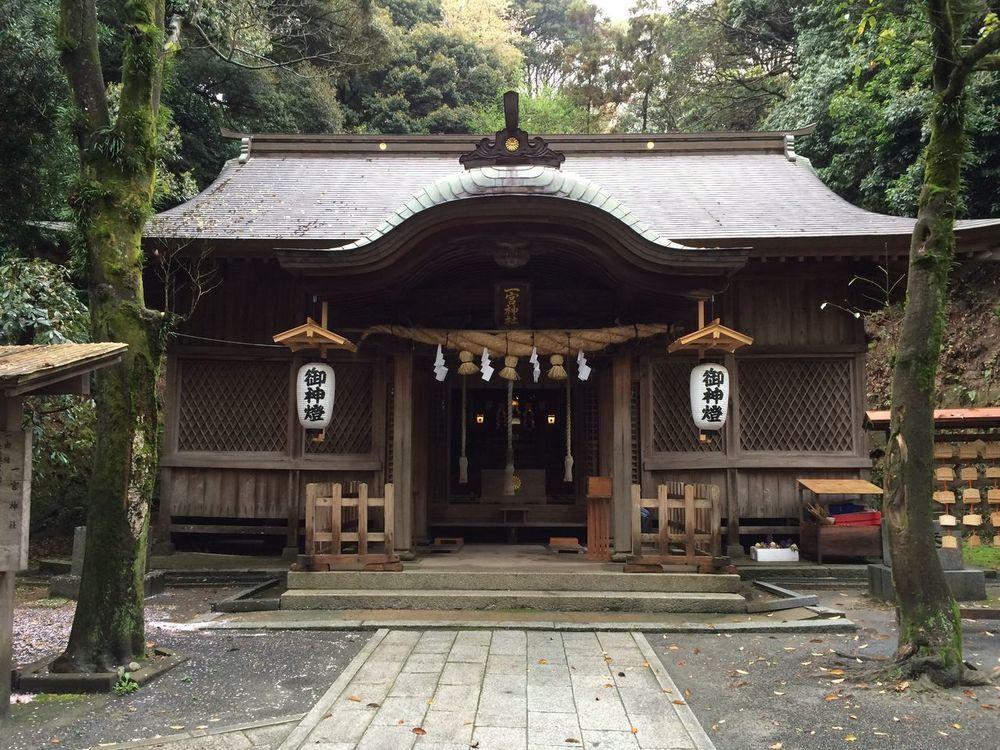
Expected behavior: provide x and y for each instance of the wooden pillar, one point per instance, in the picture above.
(402, 449)
(10, 419)
(733, 547)
(621, 450)
(419, 484)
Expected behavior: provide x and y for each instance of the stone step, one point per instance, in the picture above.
(415, 580)
(549, 601)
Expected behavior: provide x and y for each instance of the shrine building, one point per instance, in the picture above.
(600, 255)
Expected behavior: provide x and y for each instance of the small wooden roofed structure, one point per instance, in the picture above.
(39, 369)
(969, 418)
(34, 369)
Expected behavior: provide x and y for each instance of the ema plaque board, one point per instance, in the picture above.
(15, 493)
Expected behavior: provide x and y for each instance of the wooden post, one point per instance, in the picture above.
(310, 546)
(663, 518)
(292, 535)
(389, 519)
(635, 505)
(10, 419)
(621, 450)
(336, 517)
(402, 448)
(363, 519)
(689, 524)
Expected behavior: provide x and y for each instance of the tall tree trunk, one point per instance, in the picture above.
(930, 632)
(112, 200)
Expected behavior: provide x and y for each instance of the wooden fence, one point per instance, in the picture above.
(341, 531)
(686, 517)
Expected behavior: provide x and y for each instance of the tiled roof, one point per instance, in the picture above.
(340, 190)
(20, 366)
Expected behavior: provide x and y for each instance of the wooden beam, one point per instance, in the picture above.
(402, 447)
(621, 450)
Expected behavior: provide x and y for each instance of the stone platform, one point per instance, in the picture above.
(967, 584)
(555, 591)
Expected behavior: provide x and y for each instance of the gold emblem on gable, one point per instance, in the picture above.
(512, 144)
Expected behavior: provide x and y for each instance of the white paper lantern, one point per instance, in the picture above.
(709, 396)
(314, 389)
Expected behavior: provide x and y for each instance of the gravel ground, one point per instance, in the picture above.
(782, 691)
(230, 678)
(41, 624)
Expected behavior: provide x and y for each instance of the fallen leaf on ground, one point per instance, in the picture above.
(775, 746)
(419, 730)
(354, 698)
(850, 738)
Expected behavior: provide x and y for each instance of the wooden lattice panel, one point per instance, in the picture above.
(228, 405)
(673, 430)
(350, 431)
(797, 405)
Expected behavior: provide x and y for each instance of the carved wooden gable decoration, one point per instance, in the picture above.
(511, 146)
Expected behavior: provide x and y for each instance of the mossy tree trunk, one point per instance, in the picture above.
(930, 636)
(112, 200)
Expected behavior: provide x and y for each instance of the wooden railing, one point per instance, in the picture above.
(338, 529)
(687, 519)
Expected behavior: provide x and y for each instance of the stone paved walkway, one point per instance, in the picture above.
(502, 690)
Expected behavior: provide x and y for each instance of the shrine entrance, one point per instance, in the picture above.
(548, 422)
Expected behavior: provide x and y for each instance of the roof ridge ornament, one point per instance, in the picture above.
(790, 147)
(511, 146)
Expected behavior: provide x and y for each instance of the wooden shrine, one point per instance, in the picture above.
(499, 317)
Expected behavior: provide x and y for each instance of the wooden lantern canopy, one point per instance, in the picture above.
(713, 336)
(313, 335)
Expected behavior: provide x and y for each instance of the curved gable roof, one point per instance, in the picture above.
(480, 182)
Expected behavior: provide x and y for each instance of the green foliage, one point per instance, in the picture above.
(36, 151)
(125, 685)
(38, 304)
(868, 94)
(435, 80)
(549, 111)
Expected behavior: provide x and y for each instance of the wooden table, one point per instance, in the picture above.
(855, 541)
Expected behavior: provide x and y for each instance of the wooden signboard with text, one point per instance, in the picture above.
(15, 494)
